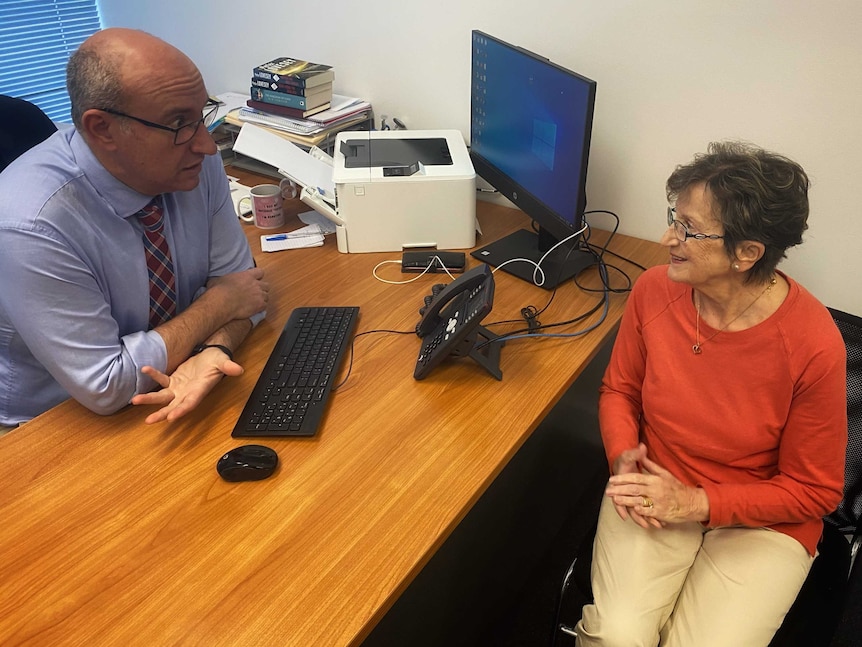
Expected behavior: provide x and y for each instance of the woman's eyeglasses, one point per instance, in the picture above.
(681, 231)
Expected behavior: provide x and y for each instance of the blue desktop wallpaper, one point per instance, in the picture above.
(529, 119)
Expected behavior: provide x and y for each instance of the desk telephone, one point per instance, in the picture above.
(450, 323)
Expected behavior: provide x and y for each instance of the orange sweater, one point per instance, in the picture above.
(758, 420)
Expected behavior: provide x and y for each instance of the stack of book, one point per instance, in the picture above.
(345, 113)
(290, 87)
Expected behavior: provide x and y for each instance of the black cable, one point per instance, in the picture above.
(512, 333)
(530, 313)
(608, 288)
(624, 258)
(352, 341)
(604, 249)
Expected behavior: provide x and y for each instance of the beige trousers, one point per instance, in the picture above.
(686, 586)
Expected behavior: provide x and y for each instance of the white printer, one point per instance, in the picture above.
(385, 190)
(399, 189)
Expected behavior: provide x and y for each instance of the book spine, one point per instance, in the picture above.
(292, 89)
(275, 109)
(278, 98)
(270, 77)
(278, 87)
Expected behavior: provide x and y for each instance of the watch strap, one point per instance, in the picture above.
(200, 347)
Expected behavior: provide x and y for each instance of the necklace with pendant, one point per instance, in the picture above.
(696, 349)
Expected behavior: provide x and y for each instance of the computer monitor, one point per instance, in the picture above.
(530, 128)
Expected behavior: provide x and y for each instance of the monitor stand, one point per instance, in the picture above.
(558, 267)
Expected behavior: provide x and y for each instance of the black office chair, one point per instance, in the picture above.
(824, 608)
(22, 126)
(828, 609)
(849, 629)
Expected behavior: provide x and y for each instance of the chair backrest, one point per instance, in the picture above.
(22, 126)
(846, 517)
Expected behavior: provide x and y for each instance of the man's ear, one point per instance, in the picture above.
(748, 252)
(100, 129)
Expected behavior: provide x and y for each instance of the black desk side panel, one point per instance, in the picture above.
(493, 581)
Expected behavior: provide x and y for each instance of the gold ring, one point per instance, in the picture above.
(646, 502)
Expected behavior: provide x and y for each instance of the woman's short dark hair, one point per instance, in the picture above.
(757, 195)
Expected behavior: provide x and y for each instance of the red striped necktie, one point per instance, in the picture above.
(160, 268)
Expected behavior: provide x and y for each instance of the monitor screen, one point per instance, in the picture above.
(530, 128)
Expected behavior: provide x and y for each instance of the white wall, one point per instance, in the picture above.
(672, 76)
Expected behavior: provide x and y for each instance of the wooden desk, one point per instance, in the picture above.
(119, 533)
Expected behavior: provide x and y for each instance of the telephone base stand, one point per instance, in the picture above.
(488, 357)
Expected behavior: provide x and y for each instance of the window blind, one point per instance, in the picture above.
(36, 39)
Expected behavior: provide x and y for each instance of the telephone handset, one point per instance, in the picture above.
(450, 323)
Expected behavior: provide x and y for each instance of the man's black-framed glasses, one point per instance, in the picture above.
(681, 231)
(182, 134)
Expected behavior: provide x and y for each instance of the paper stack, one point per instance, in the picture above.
(308, 236)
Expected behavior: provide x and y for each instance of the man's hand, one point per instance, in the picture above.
(184, 389)
(246, 293)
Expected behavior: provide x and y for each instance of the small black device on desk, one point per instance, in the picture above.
(247, 463)
(291, 393)
(434, 261)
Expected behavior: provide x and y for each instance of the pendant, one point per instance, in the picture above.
(696, 349)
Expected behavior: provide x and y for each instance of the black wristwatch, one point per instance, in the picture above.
(200, 347)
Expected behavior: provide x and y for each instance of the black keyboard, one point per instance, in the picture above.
(292, 391)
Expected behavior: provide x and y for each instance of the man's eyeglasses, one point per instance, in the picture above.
(182, 134)
(681, 231)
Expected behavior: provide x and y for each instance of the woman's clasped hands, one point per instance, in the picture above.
(650, 495)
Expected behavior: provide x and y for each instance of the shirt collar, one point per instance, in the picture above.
(123, 199)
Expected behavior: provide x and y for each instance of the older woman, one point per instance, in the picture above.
(723, 415)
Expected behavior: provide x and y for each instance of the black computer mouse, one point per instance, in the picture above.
(247, 463)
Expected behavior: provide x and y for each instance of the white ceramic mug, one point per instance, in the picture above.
(266, 208)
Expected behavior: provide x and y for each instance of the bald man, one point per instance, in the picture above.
(78, 315)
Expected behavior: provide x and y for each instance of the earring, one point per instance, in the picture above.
(736, 266)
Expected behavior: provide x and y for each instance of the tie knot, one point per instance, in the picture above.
(151, 215)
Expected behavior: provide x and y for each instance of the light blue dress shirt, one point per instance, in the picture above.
(74, 290)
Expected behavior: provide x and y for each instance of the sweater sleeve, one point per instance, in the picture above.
(809, 477)
(620, 403)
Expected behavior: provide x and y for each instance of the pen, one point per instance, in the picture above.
(277, 237)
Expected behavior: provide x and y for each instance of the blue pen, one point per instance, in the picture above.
(277, 237)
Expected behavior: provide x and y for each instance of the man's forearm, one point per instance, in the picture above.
(231, 334)
(228, 298)
(200, 322)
